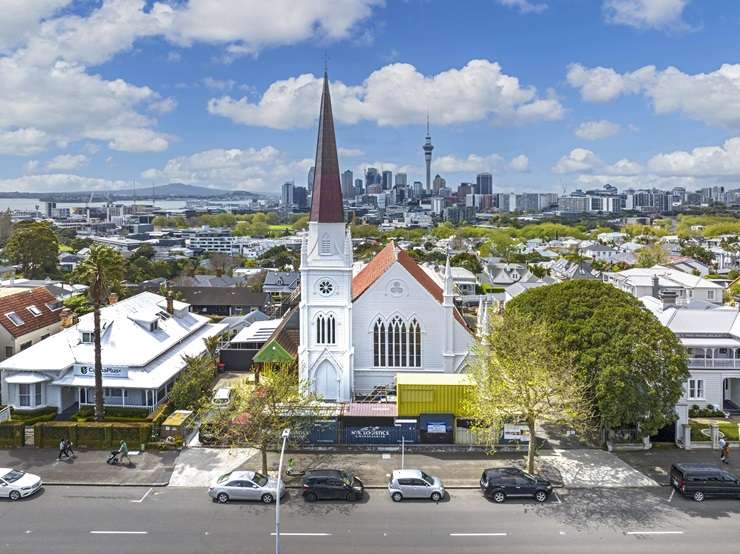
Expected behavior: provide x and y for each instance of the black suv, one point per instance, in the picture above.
(503, 482)
(319, 484)
(699, 481)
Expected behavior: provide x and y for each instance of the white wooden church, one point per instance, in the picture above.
(359, 328)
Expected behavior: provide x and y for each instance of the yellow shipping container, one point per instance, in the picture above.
(437, 393)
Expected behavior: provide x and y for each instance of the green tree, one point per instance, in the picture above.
(634, 366)
(6, 226)
(468, 261)
(698, 253)
(300, 223)
(192, 389)
(34, 246)
(258, 413)
(101, 271)
(520, 375)
(650, 255)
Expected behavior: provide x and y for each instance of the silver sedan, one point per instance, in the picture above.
(245, 485)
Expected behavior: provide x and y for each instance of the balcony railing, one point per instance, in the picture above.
(714, 363)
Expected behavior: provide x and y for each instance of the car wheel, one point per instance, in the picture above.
(311, 497)
(222, 498)
(267, 499)
(436, 497)
(699, 496)
(540, 496)
(498, 497)
(15, 495)
(397, 497)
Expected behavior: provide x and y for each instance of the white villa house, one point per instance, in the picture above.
(711, 336)
(144, 339)
(652, 281)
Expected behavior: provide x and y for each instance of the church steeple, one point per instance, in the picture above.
(326, 202)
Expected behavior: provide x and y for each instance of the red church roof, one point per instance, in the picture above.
(326, 200)
(383, 260)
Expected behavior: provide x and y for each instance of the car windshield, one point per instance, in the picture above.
(259, 479)
(428, 478)
(13, 476)
(347, 479)
(223, 478)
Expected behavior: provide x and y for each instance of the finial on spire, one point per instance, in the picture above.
(326, 63)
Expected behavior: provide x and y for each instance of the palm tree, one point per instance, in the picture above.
(100, 271)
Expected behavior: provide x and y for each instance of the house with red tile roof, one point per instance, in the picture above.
(26, 318)
(358, 330)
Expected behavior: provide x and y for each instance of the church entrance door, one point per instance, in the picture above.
(326, 381)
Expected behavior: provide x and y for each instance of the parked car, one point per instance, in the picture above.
(245, 485)
(222, 397)
(320, 484)
(414, 483)
(501, 483)
(699, 481)
(16, 484)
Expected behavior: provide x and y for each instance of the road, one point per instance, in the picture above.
(139, 520)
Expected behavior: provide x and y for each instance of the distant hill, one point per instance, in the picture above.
(181, 189)
(171, 190)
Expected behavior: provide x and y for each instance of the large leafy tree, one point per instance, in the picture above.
(34, 246)
(521, 375)
(101, 271)
(193, 386)
(258, 413)
(634, 366)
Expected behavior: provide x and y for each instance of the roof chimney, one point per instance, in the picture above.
(669, 298)
(170, 303)
(112, 298)
(67, 318)
(656, 287)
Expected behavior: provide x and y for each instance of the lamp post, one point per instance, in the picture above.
(285, 435)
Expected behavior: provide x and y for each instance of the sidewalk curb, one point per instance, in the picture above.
(100, 484)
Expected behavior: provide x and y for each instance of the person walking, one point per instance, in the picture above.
(68, 449)
(723, 450)
(123, 452)
(726, 452)
(62, 449)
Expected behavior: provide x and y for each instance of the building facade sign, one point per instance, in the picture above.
(115, 372)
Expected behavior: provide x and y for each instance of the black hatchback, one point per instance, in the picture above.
(334, 484)
(501, 483)
(700, 481)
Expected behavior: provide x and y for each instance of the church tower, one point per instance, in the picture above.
(325, 352)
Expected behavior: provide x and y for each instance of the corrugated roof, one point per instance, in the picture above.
(433, 379)
(367, 409)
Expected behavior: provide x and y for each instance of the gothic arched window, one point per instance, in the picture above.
(326, 329)
(397, 344)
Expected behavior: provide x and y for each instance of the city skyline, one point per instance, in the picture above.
(636, 94)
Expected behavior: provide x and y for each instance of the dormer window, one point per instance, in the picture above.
(35, 312)
(87, 337)
(15, 318)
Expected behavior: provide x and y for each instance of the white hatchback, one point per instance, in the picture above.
(414, 483)
(16, 484)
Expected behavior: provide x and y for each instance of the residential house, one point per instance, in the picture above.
(652, 281)
(26, 318)
(145, 340)
(565, 270)
(501, 274)
(238, 353)
(600, 252)
(280, 284)
(223, 301)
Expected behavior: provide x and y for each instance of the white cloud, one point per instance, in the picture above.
(713, 98)
(644, 14)
(218, 84)
(524, 6)
(59, 182)
(397, 94)
(578, 160)
(704, 161)
(596, 130)
(349, 152)
(23, 142)
(519, 163)
(473, 163)
(67, 162)
(20, 18)
(257, 169)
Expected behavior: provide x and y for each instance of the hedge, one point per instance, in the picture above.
(104, 435)
(12, 434)
(30, 417)
(113, 413)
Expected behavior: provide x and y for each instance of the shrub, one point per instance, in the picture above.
(708, 411)
(30, 417)
(94, 435)
(113, 414)
(12, 434)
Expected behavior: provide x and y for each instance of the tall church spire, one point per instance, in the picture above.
(326, 201)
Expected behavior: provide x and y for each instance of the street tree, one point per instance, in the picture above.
(34, 246)
(520, 375)
(101, 271)
(258, 413)
(634, 366)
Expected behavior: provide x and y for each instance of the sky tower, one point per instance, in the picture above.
(428, 157)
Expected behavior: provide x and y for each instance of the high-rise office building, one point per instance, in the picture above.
(372, 177)
(439, 183)
(300, 197)
(387, 180)
(348, 184)
(287, 197)
(484, 181)
(358, 187)
(428, 156)
(401, 179)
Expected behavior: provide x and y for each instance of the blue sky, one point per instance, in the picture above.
(545, 94)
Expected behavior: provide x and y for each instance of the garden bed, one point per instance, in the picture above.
(728, 428)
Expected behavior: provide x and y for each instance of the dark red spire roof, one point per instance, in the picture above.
(326, 203)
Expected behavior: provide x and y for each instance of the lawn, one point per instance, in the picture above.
(728, 428)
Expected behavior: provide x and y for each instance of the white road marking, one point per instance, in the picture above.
(673, 491)
(557, 497)
(655, 532)
(302, 534)
(386, 456)
(478, 534)
(119, 532)
(140, 500)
